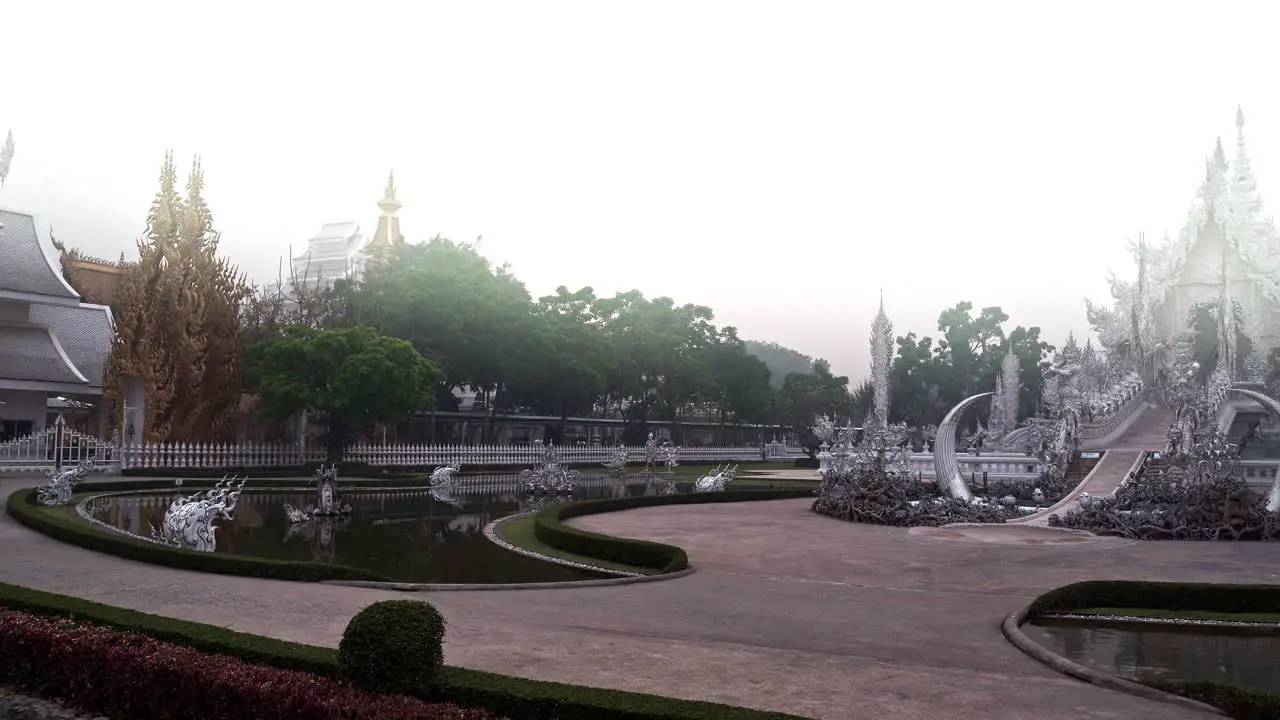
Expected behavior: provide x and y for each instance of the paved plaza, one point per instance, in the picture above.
(787, 611)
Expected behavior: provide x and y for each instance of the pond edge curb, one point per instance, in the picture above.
(1011, 628)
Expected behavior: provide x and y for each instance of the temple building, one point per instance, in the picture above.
(340, 251)
(53, 345)
(1220, 277)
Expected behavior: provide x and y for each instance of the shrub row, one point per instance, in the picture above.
(808, 463)
(549, 527)
(504, 696)
(1238, 703)
(1205, 597)
(125, 674)
(60, 525)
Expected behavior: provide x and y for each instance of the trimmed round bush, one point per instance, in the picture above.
(394, 646)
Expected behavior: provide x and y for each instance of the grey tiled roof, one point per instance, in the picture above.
(29, 352)
(86, 334)
(24, 267)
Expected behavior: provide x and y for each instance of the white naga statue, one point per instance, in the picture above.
(443, 475)
(715, 480)
(60, 487)
(1067, 369)
(189, 521)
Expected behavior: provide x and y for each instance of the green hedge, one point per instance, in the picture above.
(1206, 597)
(549, 527)
(24, 508)
(1239, 703)
(512, 697)
(808, 463)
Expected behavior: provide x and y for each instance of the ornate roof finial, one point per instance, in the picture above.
(1239, 119)
(391, 186)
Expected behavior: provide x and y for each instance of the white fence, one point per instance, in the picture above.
(55, 446)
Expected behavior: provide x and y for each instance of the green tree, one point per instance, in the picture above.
(805, 396)
(782, 361)
(354, 375)
(739, 382)
(475, 321)
(564, 371)
(660, 360)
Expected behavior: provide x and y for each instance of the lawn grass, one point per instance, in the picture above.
(1181, 614)
(519, 532)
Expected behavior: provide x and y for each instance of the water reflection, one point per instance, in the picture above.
(1243, 657)
(412, 535)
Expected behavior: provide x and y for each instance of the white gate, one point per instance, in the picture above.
(55, 447)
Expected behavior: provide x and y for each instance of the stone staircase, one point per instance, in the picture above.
(1146, 434)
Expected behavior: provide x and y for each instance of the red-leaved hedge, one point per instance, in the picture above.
(122, 674)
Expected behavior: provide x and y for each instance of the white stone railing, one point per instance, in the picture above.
(1003, 465)
(1107, 411)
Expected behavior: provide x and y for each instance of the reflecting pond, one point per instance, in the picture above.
(410, 535)
(1243, 657)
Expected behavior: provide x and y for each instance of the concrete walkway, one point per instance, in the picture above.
(788, 611)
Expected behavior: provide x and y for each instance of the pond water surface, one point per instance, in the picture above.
(1241, 657)
(411, 535)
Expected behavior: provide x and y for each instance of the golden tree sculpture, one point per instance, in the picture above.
(177, 326)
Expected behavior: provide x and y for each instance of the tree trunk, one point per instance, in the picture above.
(564, 420)
(335, 440)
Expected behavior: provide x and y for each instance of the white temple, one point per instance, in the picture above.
(1225, 263)
(340, 251)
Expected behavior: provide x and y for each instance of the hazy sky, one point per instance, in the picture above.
(779, 162)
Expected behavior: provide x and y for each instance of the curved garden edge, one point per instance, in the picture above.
(1171, 597)
(550, 528)
(1011, 628)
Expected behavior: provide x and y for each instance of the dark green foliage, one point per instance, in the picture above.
(23, 507)
(394, 646)
(781, 361)
(511, 697)
(1238, 703)
(1207, 597)
(808, 463)
(549, 527)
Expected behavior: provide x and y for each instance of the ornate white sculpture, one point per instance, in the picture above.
(443, 475)
(6, 158)
(715, 480)
(618, 463)
(327, 504)
(60, 487)
(664, 454)
(1005, 401)
(881, 360)
(549, 476)
(946, 467)
(189, 521)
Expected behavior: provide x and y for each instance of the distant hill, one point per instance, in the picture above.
(781, 361)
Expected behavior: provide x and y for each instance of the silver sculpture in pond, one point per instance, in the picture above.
(189, 521)
(617, 464)
(60, 487)
(549, 476)
(715, 480)
(445, 494)
(327, 504)
(443, 476)
(664, 454)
